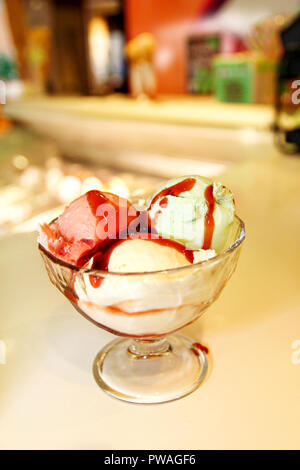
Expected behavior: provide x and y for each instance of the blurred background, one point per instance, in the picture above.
(119, 95)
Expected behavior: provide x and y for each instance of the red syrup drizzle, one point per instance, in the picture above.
(209, 223)
(164, 203)
(125, 213)
(100, 262)
(95, 199)
(95, 281)
(201, 347)
(175, 190)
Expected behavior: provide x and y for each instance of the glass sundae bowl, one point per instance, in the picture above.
(149, 363)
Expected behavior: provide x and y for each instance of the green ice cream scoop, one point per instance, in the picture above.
(193, 210)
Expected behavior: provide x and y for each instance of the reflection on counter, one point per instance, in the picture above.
(36, 183)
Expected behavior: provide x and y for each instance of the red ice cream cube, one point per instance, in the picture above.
(88, 225)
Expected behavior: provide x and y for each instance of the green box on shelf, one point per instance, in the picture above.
(234, 78)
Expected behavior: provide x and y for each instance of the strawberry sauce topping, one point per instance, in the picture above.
(175, 190)
(209, 223)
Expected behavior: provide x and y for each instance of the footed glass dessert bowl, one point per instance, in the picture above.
(149, 363)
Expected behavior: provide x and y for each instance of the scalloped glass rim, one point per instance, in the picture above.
(98, 272)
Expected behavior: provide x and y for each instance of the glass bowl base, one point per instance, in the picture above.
(143, 371)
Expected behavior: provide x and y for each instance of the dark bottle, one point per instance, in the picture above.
(287, 123)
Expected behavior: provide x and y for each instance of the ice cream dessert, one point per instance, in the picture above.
(134, 277)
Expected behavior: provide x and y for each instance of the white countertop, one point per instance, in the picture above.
(161, 138)
(187, 110)
(251, 399)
